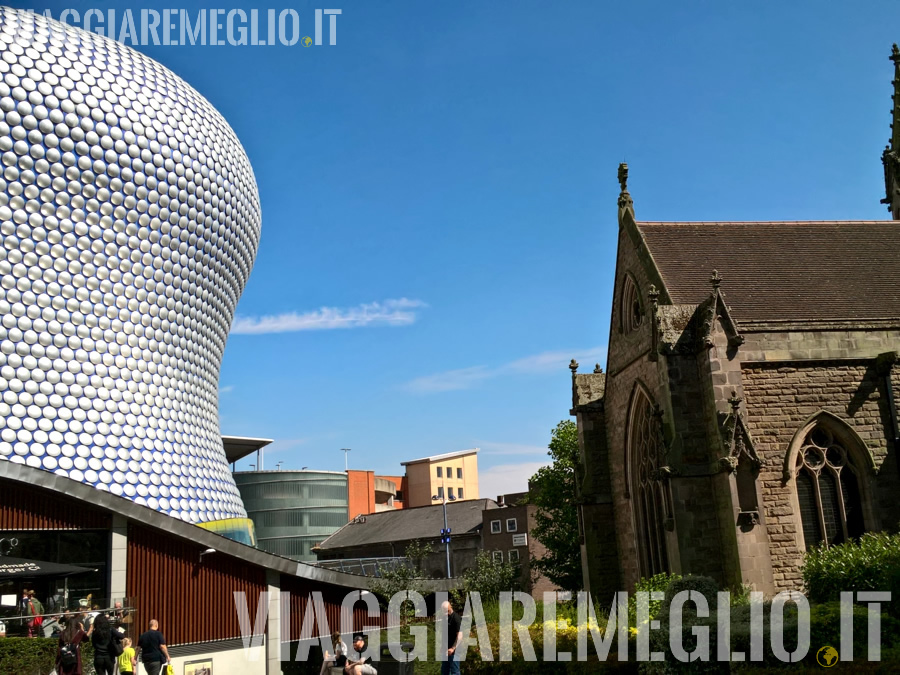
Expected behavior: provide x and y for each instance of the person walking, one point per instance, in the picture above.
(454, 622)
(107, 646)
(151, 647)
(68, 651)
(126, 659)
(30, 610)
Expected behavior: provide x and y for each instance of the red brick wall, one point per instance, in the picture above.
(361, 492)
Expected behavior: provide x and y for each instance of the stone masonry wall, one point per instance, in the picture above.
(599, 550)
(628, 364)
(780, 398)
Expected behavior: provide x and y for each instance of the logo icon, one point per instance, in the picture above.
(307, 41)
(827, 656)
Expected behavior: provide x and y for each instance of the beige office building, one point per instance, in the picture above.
(454, 474)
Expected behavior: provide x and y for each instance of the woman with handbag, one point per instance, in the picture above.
(107, 645)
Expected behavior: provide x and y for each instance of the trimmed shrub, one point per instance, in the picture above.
(824, 630)
(873, 564)
(658, 582)
(706, 586)
(35, 656)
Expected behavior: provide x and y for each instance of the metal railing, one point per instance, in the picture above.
(17, 622)
(368, 567)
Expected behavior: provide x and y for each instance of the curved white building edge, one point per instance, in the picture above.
(129, 218)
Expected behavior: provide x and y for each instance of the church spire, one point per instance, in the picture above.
(891, 155)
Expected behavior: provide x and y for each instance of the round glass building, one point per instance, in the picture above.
(294, 510)
(130, 220)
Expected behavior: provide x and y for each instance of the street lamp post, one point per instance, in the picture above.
(445, 533)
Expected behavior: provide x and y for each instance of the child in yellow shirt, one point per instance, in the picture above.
(126, 658)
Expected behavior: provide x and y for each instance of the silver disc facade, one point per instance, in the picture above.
(130, 219)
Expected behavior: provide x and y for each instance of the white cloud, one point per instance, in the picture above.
(227, 389)
(399, 312)
(506, 478)
(451, 380)
(548, 362)
(536, 364)
(492, 448)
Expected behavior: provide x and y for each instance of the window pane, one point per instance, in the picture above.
(460, 493)
(809, 514)
(440, 492)
(831, 510)
(440, 472)
(459, 473)
(450, 492)
(449, 472)
(852, 504)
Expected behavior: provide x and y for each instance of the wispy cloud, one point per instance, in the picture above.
(450, 380)
(226, 389)
(493, 448)
(506, 478)
(536, 364)
(399, 312)
(548, 362)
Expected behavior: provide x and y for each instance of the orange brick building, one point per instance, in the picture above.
(368, 493)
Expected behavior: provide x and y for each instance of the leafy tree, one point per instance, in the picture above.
(488, 576)
(552, 490)
(403, 579)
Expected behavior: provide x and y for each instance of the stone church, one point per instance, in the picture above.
(749, 408)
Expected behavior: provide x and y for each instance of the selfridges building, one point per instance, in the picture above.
(130, 219)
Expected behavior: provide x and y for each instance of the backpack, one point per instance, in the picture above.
(117, 647)
(68, 656)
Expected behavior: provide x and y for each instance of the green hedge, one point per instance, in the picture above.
(873, 564)
(824, 630)
(35, 656)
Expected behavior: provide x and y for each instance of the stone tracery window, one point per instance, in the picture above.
(827, 490)
(648, 492)
(631, 312)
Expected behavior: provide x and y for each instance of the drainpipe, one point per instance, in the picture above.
(884, 364)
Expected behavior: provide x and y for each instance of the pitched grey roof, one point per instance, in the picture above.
(424, 522)
(783, 270)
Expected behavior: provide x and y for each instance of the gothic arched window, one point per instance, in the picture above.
(828, 490)
(648, 492)
(631, 312)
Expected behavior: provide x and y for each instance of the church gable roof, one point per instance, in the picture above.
(783, 271)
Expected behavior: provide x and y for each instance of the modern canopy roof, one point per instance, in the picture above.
(782, 271)
(20, 568)
(238, 447)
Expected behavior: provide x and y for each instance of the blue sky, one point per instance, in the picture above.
(439, 196)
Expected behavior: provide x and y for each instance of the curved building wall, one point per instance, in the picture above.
(130, 220)
(294, 510)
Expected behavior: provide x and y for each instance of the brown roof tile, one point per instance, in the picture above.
(782, 271)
